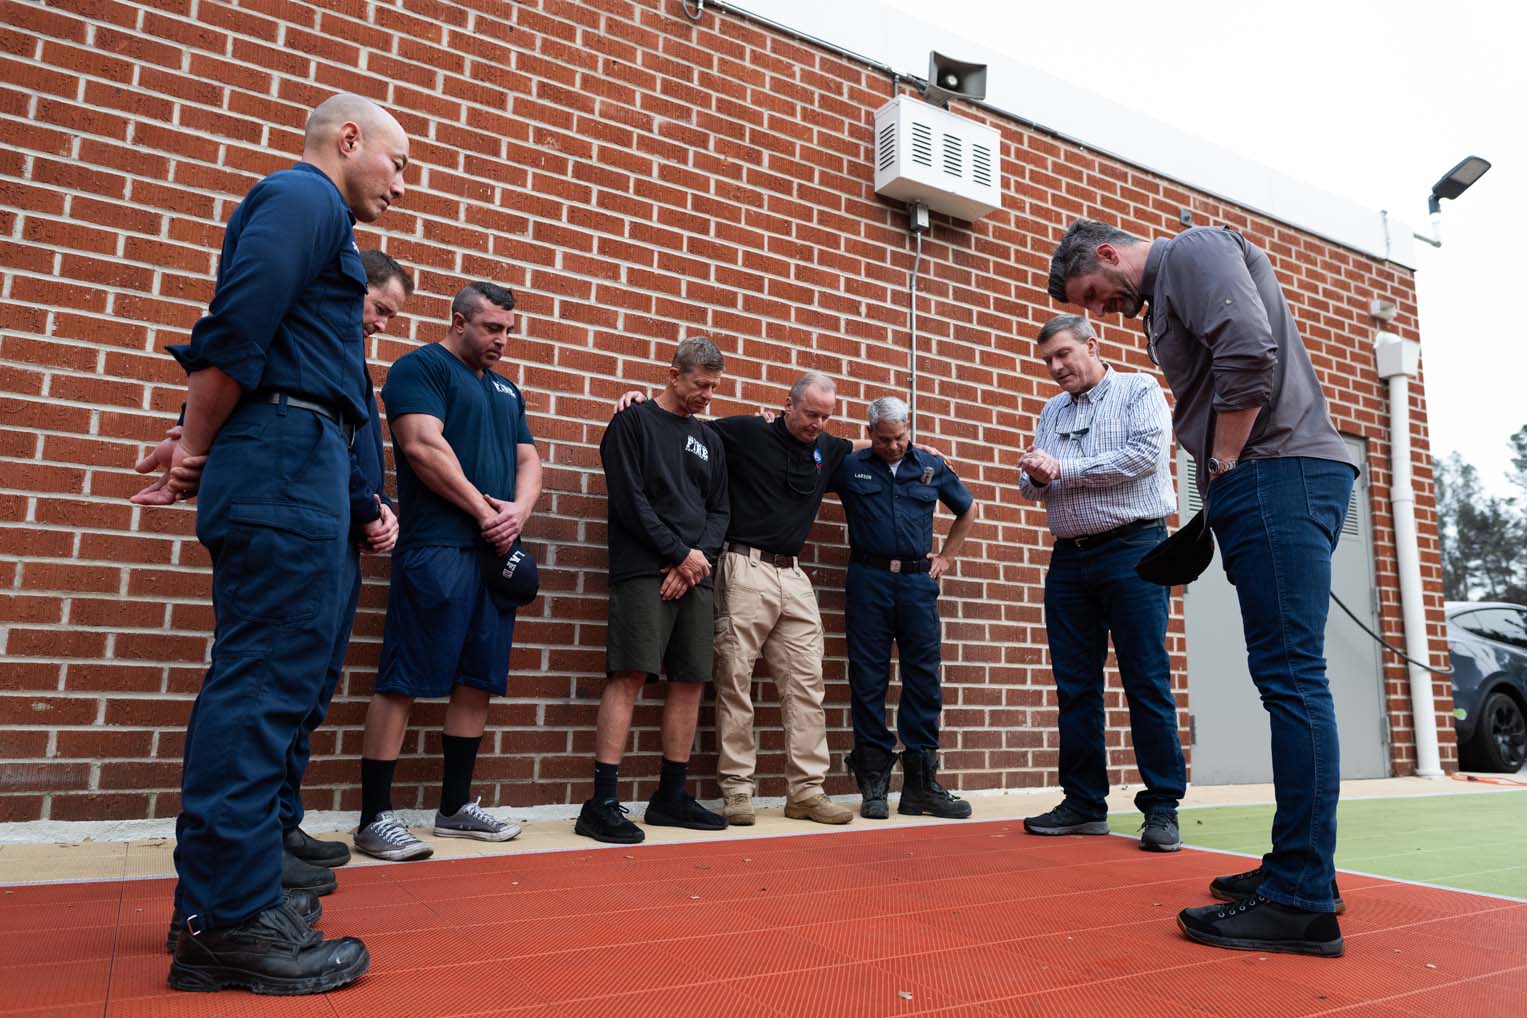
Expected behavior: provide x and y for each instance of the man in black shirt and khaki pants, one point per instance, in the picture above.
(666, 475)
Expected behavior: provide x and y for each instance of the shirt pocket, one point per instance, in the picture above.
(923, 494)
(864, 484)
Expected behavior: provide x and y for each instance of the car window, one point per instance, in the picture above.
(1504, 625)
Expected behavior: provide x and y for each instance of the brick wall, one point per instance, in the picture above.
(636, 178)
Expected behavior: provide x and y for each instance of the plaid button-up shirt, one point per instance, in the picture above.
(1114, 447)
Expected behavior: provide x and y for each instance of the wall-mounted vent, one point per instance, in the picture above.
(926, 154)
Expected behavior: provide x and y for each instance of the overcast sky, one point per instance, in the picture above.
(1370, 101)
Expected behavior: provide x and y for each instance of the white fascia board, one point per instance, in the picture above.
(901, 41)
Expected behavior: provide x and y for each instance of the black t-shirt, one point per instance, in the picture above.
(776, 481)
(666, 478)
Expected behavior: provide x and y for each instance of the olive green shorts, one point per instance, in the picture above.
(675, 639)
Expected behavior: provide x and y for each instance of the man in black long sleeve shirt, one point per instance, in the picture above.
(667, 481)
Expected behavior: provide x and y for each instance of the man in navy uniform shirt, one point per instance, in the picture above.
(889, 492)
(276, 390)
(468, 478)
(373, 529)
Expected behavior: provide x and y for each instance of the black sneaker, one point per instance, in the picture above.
(1159, 833)
(1064, 820)
(308, 907)
(606, 821)
(271, 952)
(684, 812)
(319, 853)
(1256, 924)
(1244, 885)
(304, 876)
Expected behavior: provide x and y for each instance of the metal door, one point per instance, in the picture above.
(1229, 727)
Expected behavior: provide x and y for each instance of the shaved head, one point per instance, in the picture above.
(362, 148)
(329, 116)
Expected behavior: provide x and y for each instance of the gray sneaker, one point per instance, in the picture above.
(472, 821)
(387, 837)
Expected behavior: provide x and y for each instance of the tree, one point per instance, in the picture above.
(1483, 537)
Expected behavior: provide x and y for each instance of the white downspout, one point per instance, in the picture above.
(1399, 361)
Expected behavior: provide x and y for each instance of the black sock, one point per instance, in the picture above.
(460, 755)
(376, 788)
(606, 782)
(670, 782)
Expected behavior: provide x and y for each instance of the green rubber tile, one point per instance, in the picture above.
(1475, 842)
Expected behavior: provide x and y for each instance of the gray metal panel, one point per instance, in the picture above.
(1231, 734)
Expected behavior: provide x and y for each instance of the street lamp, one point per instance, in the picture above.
(1453, 183)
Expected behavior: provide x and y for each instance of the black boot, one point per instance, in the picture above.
(305, 902)
(271, 952)
(304, 876)
(920, 793)
(310, 849)
(871, 768)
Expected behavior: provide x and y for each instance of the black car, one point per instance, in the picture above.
(1487, 641)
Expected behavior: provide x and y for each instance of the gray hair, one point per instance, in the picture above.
(698, 352)
(1077, 252)
(811, 380)
(1077, 325)
(888, 408)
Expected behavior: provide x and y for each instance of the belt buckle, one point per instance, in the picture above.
(895, 565)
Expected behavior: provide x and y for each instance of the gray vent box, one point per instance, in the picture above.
(925, 154)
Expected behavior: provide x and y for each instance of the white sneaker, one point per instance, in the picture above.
(472, 821)
(387, 837)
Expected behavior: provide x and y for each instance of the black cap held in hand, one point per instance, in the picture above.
(1181, 558)
(512, 578)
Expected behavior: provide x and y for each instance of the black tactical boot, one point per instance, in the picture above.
(871, 768)
(309, 849)
(271, 952)
(921, 793)
(305, 876)
(305, 902)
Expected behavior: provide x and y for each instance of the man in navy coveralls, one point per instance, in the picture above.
(276, 389)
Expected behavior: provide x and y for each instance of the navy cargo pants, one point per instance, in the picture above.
(301, 749)
(273, 512)
(882, 606)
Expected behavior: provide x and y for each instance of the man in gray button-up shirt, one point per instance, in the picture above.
(1276, 478)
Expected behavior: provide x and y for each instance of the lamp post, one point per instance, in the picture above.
(1399, 361)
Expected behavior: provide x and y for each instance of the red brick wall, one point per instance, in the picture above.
(637, 178)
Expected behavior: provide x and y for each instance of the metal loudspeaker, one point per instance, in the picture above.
(953, 79)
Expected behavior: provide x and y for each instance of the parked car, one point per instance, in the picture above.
(1487, 641)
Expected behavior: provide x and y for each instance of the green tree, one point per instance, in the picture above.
(1483, 537)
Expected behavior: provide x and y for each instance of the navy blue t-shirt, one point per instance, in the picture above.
(286, 311)
(484, 425)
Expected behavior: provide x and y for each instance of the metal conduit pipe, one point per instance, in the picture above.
(1398, 362)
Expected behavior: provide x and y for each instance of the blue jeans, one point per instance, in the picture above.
(1277, 522)
(1090, 594)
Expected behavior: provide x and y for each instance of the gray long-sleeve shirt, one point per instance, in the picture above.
(1226, 340)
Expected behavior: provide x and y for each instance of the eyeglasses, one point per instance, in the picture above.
(1150, 340)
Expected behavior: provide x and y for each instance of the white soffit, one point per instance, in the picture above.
(891, 37)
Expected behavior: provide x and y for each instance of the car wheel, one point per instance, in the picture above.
(1500, 737)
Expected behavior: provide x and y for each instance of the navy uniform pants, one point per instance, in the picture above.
(880, 607)
(273, 512)
(301, 748)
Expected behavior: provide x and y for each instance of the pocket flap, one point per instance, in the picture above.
(293, 517)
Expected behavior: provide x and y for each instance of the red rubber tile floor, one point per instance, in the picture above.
(943, 921)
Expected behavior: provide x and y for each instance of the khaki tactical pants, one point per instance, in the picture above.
(763, 609)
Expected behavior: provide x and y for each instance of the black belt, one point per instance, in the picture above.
(321, 409)
(1093, 540)
(895, 565)
(778, 561)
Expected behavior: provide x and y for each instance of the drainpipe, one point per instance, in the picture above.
(1398, 362)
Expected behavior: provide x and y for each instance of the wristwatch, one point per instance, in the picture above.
(1219, 466)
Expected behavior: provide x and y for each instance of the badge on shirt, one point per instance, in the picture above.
(927, 475)
(816, 454)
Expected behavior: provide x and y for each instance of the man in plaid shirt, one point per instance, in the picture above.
(1101, 464)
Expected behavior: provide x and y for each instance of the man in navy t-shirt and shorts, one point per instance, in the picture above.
(468, 479)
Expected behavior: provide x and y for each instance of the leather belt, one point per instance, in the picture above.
(778, 561)
(321, 409)
(894, 565)
(1093, 540)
